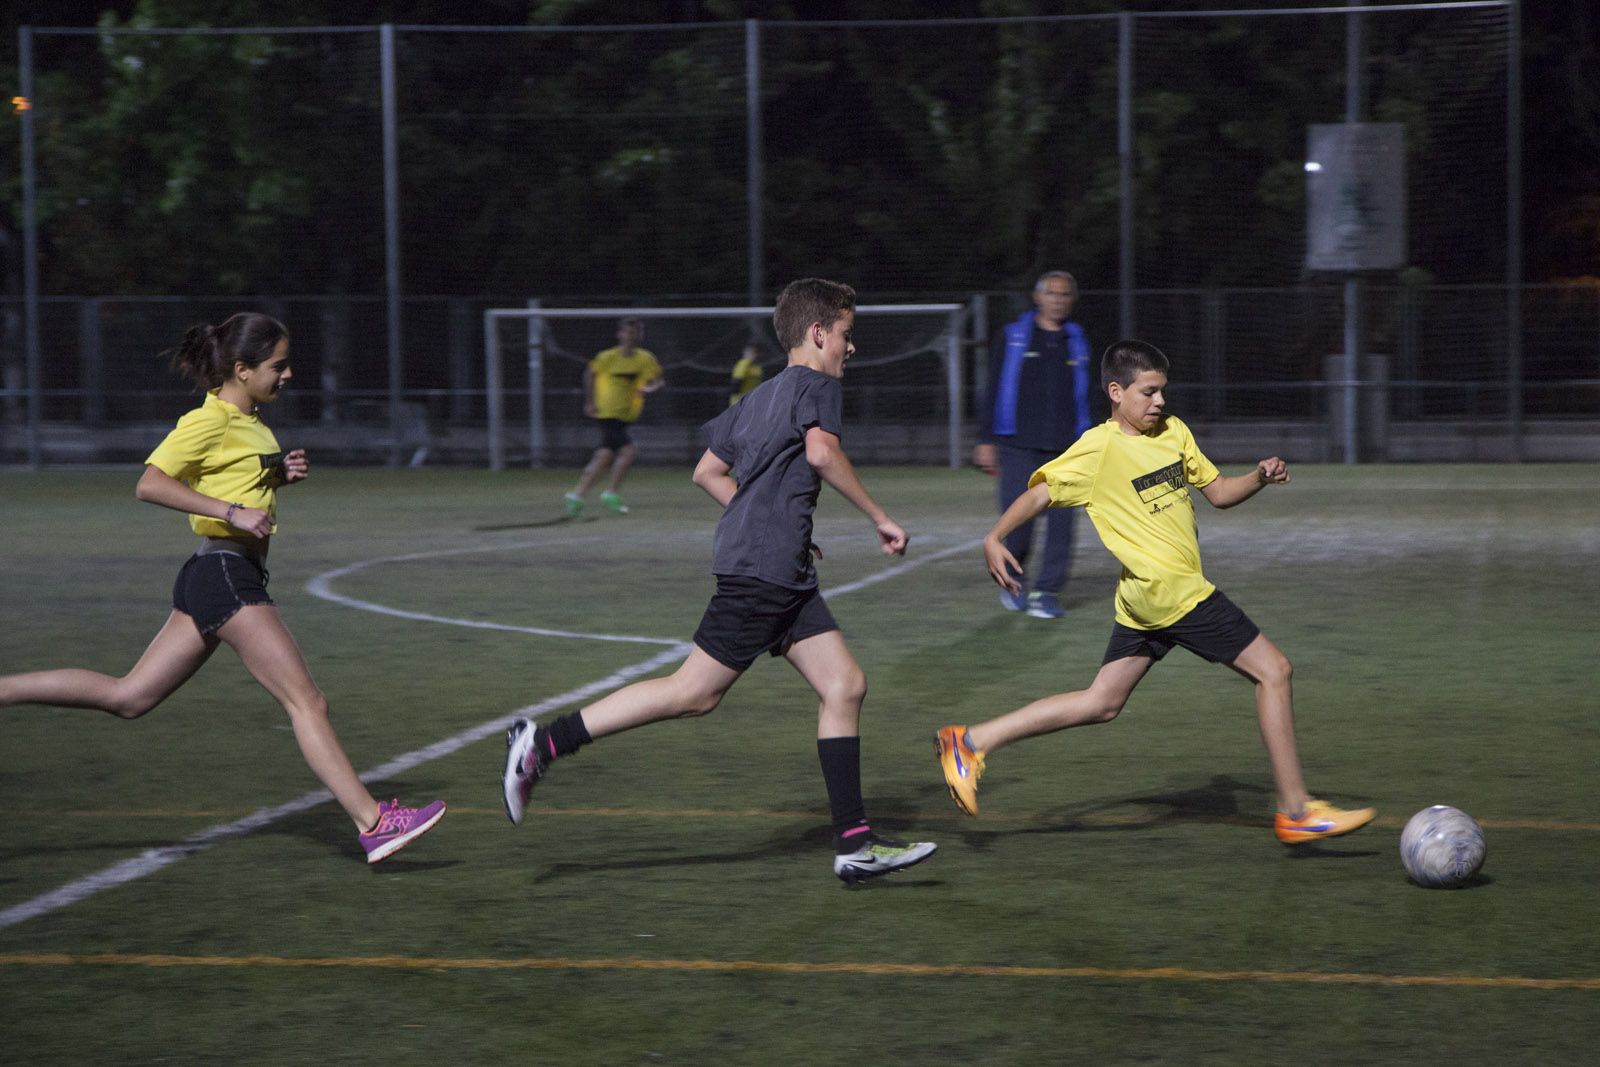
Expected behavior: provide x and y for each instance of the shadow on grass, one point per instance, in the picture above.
(781, 845)
(403, 863)
(559, 520)
(327, 826)
(1318, 851)
(1477, 881)
(1218, 801)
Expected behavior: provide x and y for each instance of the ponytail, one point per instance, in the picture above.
(207, 354)
(197, 359)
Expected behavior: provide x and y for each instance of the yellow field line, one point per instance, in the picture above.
(1098, 819)
(914, 970)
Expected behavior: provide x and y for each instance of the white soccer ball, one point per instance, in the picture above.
(1442, 847)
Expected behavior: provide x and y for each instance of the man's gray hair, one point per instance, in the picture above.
(1039, 285)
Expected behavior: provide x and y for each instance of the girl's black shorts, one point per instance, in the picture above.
(213, 586)
(747, 617)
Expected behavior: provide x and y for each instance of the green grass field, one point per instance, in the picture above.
(670, 900)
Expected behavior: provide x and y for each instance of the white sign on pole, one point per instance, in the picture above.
(1355, 196)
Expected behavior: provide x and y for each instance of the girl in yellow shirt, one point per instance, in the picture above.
(222, 465)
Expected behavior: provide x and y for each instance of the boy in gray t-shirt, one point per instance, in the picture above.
(766, 461)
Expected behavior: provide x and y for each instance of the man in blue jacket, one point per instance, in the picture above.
(1039, 393)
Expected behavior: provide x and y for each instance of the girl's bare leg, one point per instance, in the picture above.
(269, 653)
(170, 660)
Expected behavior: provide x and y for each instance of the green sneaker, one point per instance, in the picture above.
(574, 504)
(614, 502)
(878, 856)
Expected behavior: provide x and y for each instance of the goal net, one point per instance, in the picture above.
(903, 397)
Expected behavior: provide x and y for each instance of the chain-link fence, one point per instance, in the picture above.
(378, 188)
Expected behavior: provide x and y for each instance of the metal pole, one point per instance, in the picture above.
(91, 363)
(1125, 27)
(493, 400)
(754, 177)
(1352, 285)
(981, 400)
(535, 387)
(30, 249)
(391, 236)
(1514, 226)
(953, 390)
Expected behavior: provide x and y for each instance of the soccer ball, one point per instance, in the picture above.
(1442, 847)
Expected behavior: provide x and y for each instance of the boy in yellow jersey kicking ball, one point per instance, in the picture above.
(1132, 474)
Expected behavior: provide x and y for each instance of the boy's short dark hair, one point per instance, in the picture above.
(806, 301)
(1124, 361)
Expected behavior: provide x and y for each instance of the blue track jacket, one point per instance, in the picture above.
(1053, 410)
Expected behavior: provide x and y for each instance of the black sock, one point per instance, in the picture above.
(563, 736)
(841, 770)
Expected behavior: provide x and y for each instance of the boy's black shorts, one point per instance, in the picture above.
(1215, 630)
(213, 586)
(613, 434)
(747, 617)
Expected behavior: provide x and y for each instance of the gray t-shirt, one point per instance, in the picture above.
(765, 531)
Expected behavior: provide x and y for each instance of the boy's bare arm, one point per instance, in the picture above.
(1226, 492)
(826, 455)
(1003, 566)
(715, 476)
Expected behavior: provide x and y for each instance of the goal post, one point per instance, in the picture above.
(924, 336)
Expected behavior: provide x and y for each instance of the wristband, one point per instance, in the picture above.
(228, 518)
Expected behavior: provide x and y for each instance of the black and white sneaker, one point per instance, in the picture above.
(524, 767)
(879, 855)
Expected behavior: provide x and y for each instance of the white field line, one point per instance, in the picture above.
(152, 860)
(322, 586)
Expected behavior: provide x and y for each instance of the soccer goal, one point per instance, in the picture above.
(903, 387)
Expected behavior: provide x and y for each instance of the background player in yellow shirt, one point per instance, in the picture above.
(223, 466)
(746, 374)
(614, 385)
(1132, 474)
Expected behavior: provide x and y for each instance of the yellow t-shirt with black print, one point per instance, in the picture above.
(218, 450)
(1136, 491)
(619, 382)
(746, 376)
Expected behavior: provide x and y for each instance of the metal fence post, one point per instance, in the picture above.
(493, 400)
(91, 363)
(1514, 226)
(979, 331)
(754, 177)
(536, 440)
(1125, 26)
(30, 249)
(1353, 51)
(334, 322)
(953, 385)
(1214, 334)
(391, 237)
(460, 343)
